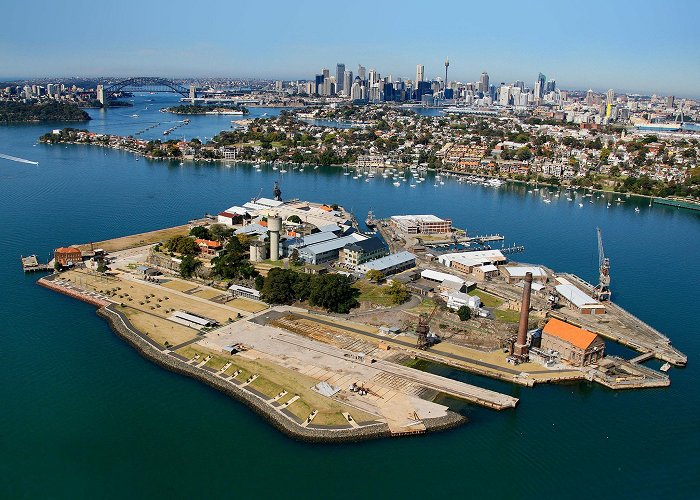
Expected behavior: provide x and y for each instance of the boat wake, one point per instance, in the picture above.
(20, 160)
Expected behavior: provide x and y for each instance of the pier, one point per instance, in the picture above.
(31, 264)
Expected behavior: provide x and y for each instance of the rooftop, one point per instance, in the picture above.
(572, 334)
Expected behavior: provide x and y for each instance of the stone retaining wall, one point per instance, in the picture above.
(261, 407)
(72, 293)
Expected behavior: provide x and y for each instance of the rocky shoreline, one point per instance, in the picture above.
(278, 420)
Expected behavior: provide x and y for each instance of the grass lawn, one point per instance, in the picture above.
(159, 329)
(207, 294)
(301, 409)
(180, 286)
(487, 299)
(376, 294)
(326, 418)
(268, 388)
(246, 305)
(136, 240)
(507, 315)
(217, 363)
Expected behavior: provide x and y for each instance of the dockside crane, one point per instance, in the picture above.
(423, 329)
(602, 291)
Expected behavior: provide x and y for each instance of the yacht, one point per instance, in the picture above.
(397, 183)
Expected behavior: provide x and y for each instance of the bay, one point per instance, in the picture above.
(84, 415)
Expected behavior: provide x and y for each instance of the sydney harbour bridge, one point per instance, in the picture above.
(141, 84)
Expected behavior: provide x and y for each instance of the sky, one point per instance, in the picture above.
(633, 46)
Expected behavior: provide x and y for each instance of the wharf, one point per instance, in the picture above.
(31, 264)
(624, 328)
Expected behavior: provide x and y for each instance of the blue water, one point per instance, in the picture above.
(84, 415)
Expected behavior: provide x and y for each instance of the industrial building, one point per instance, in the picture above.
(514, 274)
(574, 345)
(422, 224)
(391, 264)
(466, 262)
(359, 252)
(328, 250)
(575, 298)
(243, 291)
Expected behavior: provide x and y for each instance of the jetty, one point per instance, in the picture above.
(31, 264)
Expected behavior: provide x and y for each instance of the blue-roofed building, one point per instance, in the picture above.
(391, 264)
(325, 251)
(359, 252)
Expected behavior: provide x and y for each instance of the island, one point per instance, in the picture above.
(329, 331)
(51, 111)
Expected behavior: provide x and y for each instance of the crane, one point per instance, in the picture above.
(423, 329)
(602, 291)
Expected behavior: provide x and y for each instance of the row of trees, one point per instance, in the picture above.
(332, 292)
(52, 111)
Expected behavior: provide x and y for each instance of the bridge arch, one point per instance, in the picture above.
(146, 84)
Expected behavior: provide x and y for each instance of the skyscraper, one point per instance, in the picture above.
(484, 83)
(362, 72)
(539, 90)
(347, 82)
(340, 76)
(420, 73)
(610, 96)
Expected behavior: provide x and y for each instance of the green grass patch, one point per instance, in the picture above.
(507, 315)
(266, 387)
(487, 299)
(328, 418)
(376, 294)
(216, 363)
(300, 409)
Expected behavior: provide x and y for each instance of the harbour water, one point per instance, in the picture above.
(84, 415)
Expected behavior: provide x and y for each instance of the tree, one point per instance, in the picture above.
(200, 232)
(294, 219)
(187, 246)
(464, 313)
(188, 266)
(295, 259)
(219, 232)
(279, 286)
(334, 293)
(398, 292)
(259, 282)
(374, 275)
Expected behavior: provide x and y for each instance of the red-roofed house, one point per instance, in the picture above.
(67, 256)
(575, 345)
(209, 247)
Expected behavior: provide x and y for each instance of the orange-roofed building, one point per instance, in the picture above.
(67, 256)
(575, 345)
(208, 247)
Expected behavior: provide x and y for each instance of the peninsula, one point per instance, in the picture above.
(51, 111)
(329, 331)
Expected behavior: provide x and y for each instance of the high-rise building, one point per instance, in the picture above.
(590, 97)
(539, 91)
(373, 77)
(420, 73)
(340, 76)
(318, 84)
(670, 101)
(362, 72)
(347, 82)
(101, 96)
(484, 83)
(610, 96)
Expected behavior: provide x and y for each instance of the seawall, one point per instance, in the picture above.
(258, 405)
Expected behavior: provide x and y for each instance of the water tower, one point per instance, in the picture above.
(274, 226)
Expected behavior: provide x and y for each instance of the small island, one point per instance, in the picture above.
(21, 112)
(195, 109)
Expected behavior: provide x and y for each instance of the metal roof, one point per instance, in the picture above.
(394, 259)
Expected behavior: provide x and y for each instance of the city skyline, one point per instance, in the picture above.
(293, 43)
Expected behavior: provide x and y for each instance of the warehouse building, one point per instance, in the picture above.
(574, 345)
(422, 224)
(514, 274)
(325, 251)
(575, 298)
(391, 264)
(465, 262)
